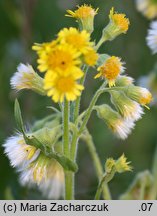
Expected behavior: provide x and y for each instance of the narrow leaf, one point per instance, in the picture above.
(18, 117)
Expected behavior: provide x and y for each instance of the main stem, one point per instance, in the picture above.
(68, 175)
(66, 128)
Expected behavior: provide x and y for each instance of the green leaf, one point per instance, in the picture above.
(65, 162)
(102, 59)
(18, 117)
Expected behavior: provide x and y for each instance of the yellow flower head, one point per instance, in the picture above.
(83, 12)
(91, 57)
(85, 15)
(120, 21)
(122, 165)
(60, 85)
(110, 70)
(61, 57)
(118, 24)
(78, 40)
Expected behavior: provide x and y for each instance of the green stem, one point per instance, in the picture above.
(66, 128)
(100, 42)
(90, 108)
(69, 186)
(78, 100)
(99, 190)
(68, 175)
(98, 167)
(107, 177)
(74, 146)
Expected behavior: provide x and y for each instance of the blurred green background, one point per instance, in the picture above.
(23, 22)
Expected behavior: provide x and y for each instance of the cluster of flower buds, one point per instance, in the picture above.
(120, 165)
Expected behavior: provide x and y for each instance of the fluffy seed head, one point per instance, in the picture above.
(128, 108)
(121, 127)
(19, 153)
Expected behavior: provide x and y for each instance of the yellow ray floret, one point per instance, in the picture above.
(44, 47)
(119, 20)
(78, 40)
(60, 85)
(61, 57)
(110, 69)
(82, 12)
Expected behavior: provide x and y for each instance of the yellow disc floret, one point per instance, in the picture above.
(119, 20)
(62, 57)
(110, 70)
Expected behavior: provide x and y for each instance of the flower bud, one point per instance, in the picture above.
(119, 126)
(27, 78)
(109, 165)
(85, 16)
(128, 108)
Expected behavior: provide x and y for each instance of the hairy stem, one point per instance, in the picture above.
(98, 167)
(68, 175)
(90, 109)
(78, 100)
(66, 128)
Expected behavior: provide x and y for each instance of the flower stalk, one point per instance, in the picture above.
(97, 164)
